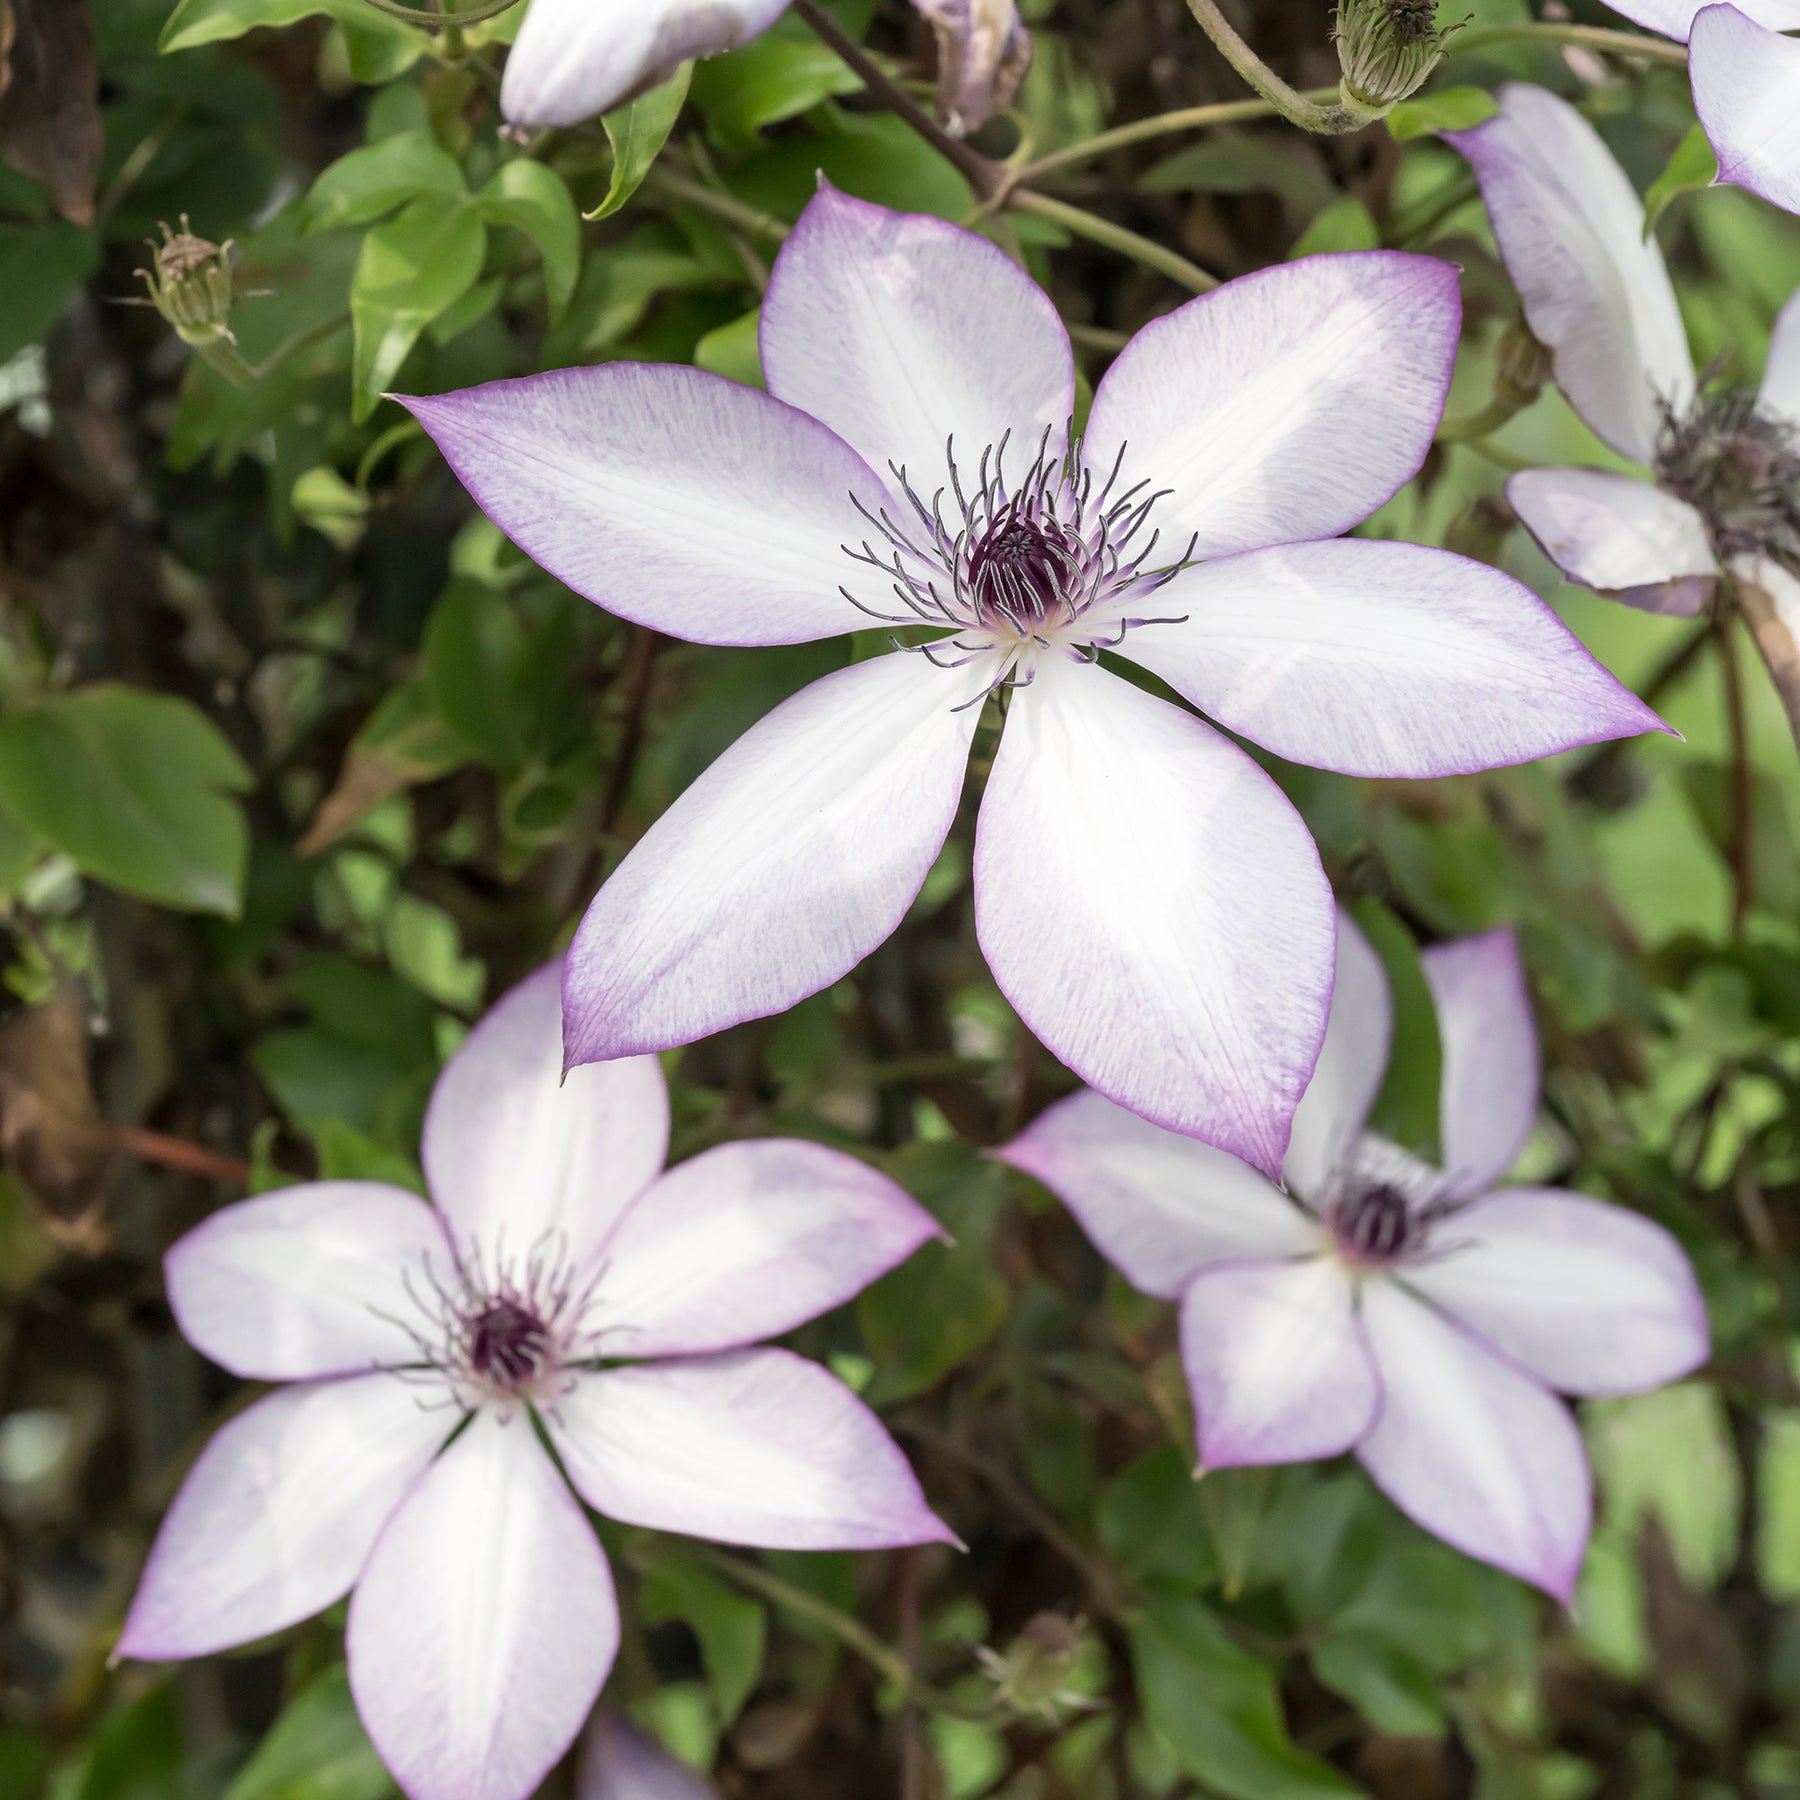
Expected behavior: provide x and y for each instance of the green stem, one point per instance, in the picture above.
(1328, 120)
(1115, 237)
(1478, 425)
(723, 206)
(392, 438)
(225, 356)
(1589, 37)
(441, 21)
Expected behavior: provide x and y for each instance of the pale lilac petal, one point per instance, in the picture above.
(747, 1241)
(1154, 909)
(1382, 659)
(1277, 1362)
(1595, 290)
(520, 1158)
(1351, 1068)
(683, 501)
(278, 1513)
(576, 58)
(1287, 405)
(1675, 18)
(1780, 394)
(618, 1763)
(1614, 533)
(903, 333)
(1157, 1205)
(983, 53)
(1471, 1448)
(1591, 1298)
(748, 1447)
(1747, 93)
(321, 1279)
(484, 1623)
(781, 868)
(1491, 1066)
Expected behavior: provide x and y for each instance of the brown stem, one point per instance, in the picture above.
(1740, 849)
(178, 1153)
(640, 666)
(1774, 642)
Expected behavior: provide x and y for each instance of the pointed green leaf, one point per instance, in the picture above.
(637, 133)
(369, 182)
(534, 199)
(1692, 166)
(1453, 109)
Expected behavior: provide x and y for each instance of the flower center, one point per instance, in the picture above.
(508, 1345)
(1375, 1224)
(1739, 469)
(1022, 572)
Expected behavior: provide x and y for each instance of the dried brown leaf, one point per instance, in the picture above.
(51, 1132)
(50, 100)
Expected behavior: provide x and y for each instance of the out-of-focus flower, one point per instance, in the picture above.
(190, 283)
(1032, 1675)
(1387, 48)
(1724, 466)
(561, 1283)
(1746, 80)
(1417, 1316)
(1147, 898)
(984, 51)
(618, 1763)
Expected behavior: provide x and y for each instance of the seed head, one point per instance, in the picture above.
(1386, 49)
(190, 284)
(1031, 1679)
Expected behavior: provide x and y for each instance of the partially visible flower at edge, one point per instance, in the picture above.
(617, 1762)
(984, 52)
(426, 1347)
(1746, 81)
(1148, 900)
(1417, 1316)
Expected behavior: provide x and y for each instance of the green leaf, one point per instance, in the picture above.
(369, 182)
(134, 1754)
(1344, 225)
(732, 1629)
(196, 22)
(1393, 1690)
(1150, 1519)
(767, 81)
(136, 788)
(534, 199)
(316, 1750)
(1454, 109)
(1694, 165)
(734, 350)
(40, 267)
(1406, 1109)
(410, 270)
(474, 660)
(1219, 1708)
(637, 134)
(324, 500)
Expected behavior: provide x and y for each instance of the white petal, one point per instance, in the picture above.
(618, 1763)
(1277, 1362)
(1154, 908)
(1591, 1298)
(1781, 379)
(320, 1279)
(903, 332)
(1571, 228)
(1472, 1449)
(750, 1447)
(1287, 405)
(781, 868)
(1382, 659)
(1675, 18)
(746, 1241)
(1490, 1044)
(1351, 1068)
(278, 1513)
(522, 1159)
(684, 501)
(484, 1623)
(1747, 93)
(576, 58)
(1157, 1205)
(1612, 532)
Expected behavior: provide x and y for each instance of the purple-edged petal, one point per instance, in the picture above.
(1675, 18)
(781, 868)
(321, 1279)
(747, 1241)
(1589, 1297)
(1382, 659)
(669, 496)
(1351, 1068)
(484, 1623)
(1747, 92)
(618, 1763)
(1277, 1362)
(904, 333)
(1595, 290)
(278, 1513)
(517, 1156)
(576, 58)
(1780, 395)
(1491, 1067)
(1154, 909)
(1471, 1448)
(1287, 405)
(1157, 1205)
(1617, 535)
(748, 1447)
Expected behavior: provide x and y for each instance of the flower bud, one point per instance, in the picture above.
(1521, 366)
(983, 54)
(1386, 48)
(1031, 1678)
(190, 284)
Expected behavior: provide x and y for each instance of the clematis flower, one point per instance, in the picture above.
(1418, 1316)
(1746, 81)
(618, 1763)
(576, 58)
(1724, 491)
(1148, 900)
(560, 1284)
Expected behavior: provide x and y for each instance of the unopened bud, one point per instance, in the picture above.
(983, 54)
(1031, 1679)
(190, 284)
(1386, 49)
(1521, 366)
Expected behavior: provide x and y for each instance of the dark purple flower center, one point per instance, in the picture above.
(1024, 571)
(508, 1344)
(1375, 1223)
(1739, 469)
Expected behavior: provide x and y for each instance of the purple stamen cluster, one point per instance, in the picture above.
(1739, 469)
(1375, 1223)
